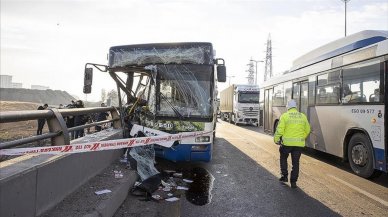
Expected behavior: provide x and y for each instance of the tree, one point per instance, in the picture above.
(103, 95)
(112, 96)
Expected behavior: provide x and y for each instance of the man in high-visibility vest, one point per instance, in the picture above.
(291, 133)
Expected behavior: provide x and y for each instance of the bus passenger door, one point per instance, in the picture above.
(304, 87)
(268, 110)
(300, 94)
(296, 93)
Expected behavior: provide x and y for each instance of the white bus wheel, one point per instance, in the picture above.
(360, 154)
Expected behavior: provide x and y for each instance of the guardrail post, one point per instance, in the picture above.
(115, 115)
(58, 124)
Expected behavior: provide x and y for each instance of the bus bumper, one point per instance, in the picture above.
(380, 159)
(185, 152)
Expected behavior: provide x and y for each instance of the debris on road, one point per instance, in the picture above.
(188, 180)
(172, 199)
(105, 191)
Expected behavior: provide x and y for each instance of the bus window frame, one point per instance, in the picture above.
(337, 83)
(378, 61)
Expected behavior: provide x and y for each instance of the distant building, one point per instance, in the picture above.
(39, 87)
(17, 85)
(5, 81)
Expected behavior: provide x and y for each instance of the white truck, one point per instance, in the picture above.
(240, 104)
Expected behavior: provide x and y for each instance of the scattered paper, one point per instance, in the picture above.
(105, 191)
(182, 188)
(172, 199)
(188, 180)
(169, 194)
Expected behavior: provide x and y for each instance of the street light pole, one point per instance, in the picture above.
(346, 2)
(256, 61)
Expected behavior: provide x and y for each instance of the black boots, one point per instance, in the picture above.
(283, 179)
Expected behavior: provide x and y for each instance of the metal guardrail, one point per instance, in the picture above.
(58, 131)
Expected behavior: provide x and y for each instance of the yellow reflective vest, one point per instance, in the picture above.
(293, 127)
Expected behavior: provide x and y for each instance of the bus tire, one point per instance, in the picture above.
(360, 155)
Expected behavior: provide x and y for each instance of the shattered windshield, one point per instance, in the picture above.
(185, 89)
(248, 97)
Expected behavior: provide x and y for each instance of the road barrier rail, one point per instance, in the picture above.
(58, 131)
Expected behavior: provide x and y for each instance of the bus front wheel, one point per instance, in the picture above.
(360, 154)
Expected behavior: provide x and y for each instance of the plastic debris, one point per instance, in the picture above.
(105, 191)
(178, 175)
(188, 180)
(182, 188)
(169, 171)
(172, 199)
(170, 195)
(157, 197)
(167, 189)
(118, 174)
(165, 184)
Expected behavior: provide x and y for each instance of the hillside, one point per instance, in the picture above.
(51, 97)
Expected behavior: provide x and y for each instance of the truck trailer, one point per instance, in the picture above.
(240, 104)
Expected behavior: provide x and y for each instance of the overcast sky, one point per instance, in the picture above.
(48, 42)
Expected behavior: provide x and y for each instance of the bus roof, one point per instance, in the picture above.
(340, 46)
(362, 41)
(161, 53)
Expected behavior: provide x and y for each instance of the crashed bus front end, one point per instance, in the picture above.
(170, 88)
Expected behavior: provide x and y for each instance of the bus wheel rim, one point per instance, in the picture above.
(359, 155)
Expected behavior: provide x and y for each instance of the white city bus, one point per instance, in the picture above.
(342, 88)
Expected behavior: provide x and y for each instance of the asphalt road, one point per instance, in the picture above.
(245, 169)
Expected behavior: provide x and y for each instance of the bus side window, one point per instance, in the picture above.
(375, 97)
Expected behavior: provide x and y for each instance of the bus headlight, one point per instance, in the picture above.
(199, 147)
(202, 139)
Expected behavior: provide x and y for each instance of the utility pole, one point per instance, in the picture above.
(346, 2)
(268, 59)
(251, 73)
(256, 61)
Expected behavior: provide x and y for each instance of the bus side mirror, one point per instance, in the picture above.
(88, 80)
(221, 73)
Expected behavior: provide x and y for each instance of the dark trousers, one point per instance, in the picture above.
(79, 134)
(296, 152)
(98, 128)
(41, 123)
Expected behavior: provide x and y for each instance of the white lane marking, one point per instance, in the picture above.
(385, 203)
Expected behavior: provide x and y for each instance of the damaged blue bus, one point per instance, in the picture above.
(168, 88)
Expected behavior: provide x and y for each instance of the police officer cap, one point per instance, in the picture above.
(291, 104)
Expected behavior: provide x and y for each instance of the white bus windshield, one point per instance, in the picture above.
(185, 89)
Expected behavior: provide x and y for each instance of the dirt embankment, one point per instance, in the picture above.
(19, 129)
(51, 97)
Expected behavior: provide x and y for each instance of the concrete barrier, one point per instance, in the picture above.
(33, 184)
